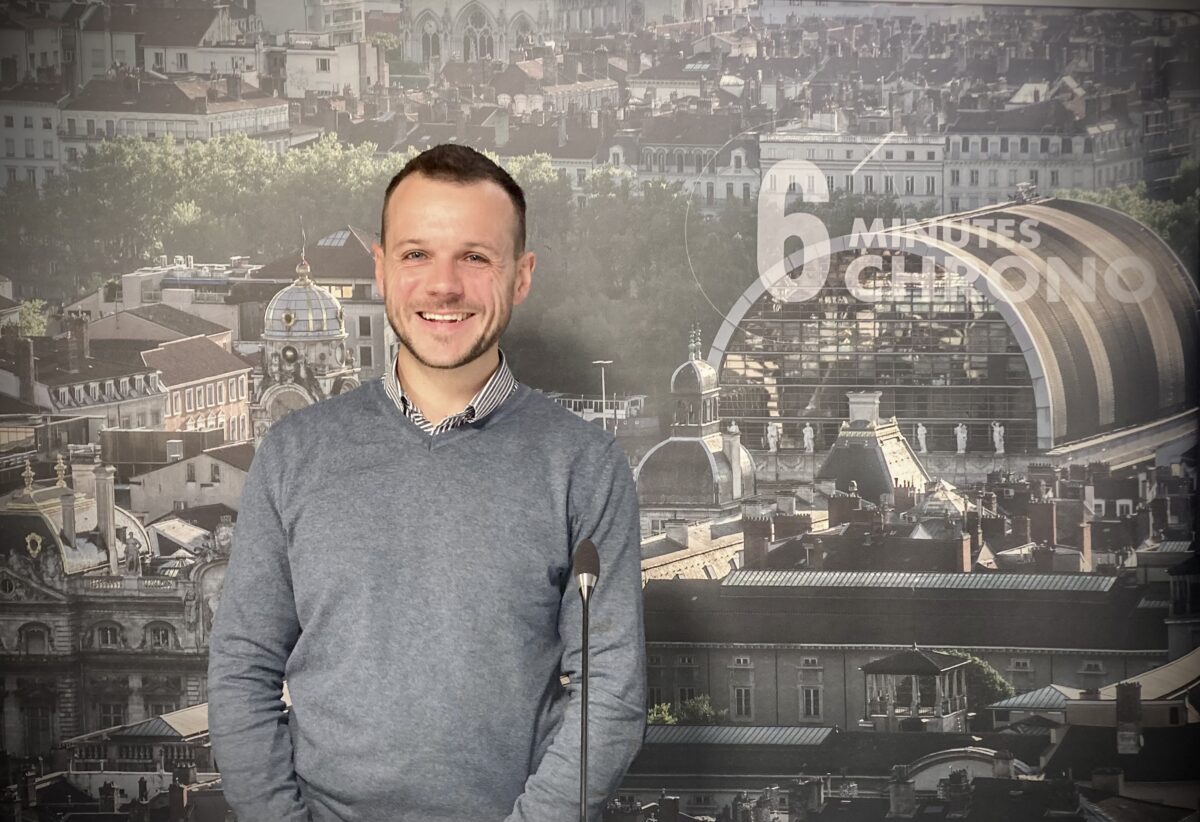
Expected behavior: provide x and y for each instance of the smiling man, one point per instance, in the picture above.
(402, 558)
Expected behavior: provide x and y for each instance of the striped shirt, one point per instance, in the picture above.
(499, 387)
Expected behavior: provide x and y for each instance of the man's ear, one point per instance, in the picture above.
(377, 251)
(524, 276)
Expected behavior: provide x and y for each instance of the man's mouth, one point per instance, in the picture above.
(445, 318)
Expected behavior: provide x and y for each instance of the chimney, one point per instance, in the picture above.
(1002, 764)
(1043, 526)
(677, 530)
(758, 531)
(501, 122)
(902, 794)
(108, 798)
(806, 799)
(1085, 544)
(83, 481)
(26, 370)
(668, 809)
(562, 129)
(550, 70)
(864, 405)
(1020, 529)
(992, 528)
(731, 446)
(78, 345)
(1109, 780)
(176, 803)
(570, 72)
(67, 503)
(105, 516)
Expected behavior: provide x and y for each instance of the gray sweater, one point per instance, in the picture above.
(415, 592)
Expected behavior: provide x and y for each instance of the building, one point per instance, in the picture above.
(31, 121)
(340, 20)
(90, 635)
(184, 109)
(213, 477)
(699, 472)
(208, 386)
(987, 374)
(789, 647)
(305, 358)
(818, 164)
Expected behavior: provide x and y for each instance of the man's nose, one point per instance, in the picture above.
(445, 278)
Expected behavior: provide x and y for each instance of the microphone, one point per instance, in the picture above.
(587, 567)
(587, 573)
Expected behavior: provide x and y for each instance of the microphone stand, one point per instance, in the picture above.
(587, 573)
(583, 720)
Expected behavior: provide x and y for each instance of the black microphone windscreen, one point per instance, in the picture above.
(587, 559)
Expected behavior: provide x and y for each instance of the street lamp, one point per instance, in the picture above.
(603, 393)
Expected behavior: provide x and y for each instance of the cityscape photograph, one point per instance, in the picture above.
(892, 308)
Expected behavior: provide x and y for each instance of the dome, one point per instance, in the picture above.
(694, 377)
(692, 471)
(304, 310)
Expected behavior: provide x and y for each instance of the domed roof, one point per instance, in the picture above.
(692, 471)
(694, 377)
(303, 309)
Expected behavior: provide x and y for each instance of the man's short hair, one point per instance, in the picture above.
(450, 162)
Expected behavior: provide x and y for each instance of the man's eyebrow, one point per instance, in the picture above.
(470, 243)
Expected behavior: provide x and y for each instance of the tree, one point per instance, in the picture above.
(699, 710)
(31, 318)
(661, 715)
(985, 685)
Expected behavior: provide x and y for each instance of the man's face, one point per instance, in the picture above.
(450, 251)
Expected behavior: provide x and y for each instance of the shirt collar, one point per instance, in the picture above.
(498, 386)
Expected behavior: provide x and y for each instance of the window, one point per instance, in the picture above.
(90, 127)
(107, 636)
(28, 146)
(1054, 176)
(829, 183)
(930, 185)
(685, 660)
(46, 124)
(653, 695)
(10, 147)
(190, 472)
(1068, 145)
(8, 121)
(1019, 664)
(708, 193)
(983, 144)
(176, 406)
(210, 394)
(974, 176)
(242, 387)
(160, 637)
(1024, 145)
(28, 121)
(1044, 145)
(1124, 508)
(1003, 145)
(160, 708)
(1098, 508)
(232, 389)
(109, 714)
(654, 659)
(910, 155)
(215, 473)
(849, 182)
(869, 184)
(737, 162)
(220, 393)
(810, 702)
(686, 694)
(810, 662)
(364, 355)
(741, 662)
(910, 184)
(741, 702)
(889, 184)
(993, 177)
(966, 143)
(181, 61)
(1092, 666)
(1033, 176)
(322, 64)
(1012, 176)
(931, 155)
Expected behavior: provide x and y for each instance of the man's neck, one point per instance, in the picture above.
(440, 392)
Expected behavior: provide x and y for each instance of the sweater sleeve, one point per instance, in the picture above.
(605, 510)
(254, 631)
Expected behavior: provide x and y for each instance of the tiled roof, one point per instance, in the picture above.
(581, 144)
(168, 316)
(174, 26)
(1049, 117)
(1049, 698)
(687, 129)
(165, 97)
(904, 579)
(33, 93)
(191, 359)
(238, 454)
(735, 735)
(915, 661)
(344, 254)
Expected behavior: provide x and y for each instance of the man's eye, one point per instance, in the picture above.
(478, 257)
(406, 255)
